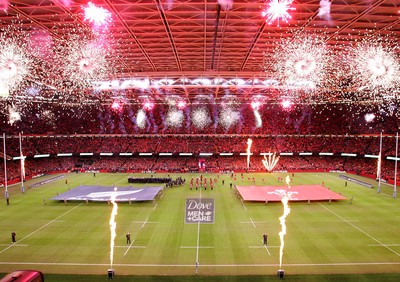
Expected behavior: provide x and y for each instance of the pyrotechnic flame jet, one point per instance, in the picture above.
(249, 142)
(271, 162)
(282, 219)
(113, 225)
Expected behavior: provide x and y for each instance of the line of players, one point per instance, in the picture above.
(202, 182)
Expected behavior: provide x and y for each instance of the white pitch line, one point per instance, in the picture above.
(244, 206)
(133, 247)
(144, 223)
(390, 245)
(198, 240)
(249, 222)
(362, 231)
(129, 247)
(267, 249)
(252, 222)
(136, 221)
(195, 247)
(13, 245)
(43, 226)
(155, 206)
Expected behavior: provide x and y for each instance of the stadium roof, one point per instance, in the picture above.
(187, 48)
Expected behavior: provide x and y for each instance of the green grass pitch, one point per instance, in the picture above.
(361, 236)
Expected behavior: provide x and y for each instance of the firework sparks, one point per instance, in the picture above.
(258, 118)
(278, 10)
(229, 117)
(141, 119)
(375, 66)
(85, 62)
(282, 220)
(113, 225)
(14, 116)
(200, 118)
(271, 162)
(175, 118)
(303, 62)
(97, 16)
(15, 62)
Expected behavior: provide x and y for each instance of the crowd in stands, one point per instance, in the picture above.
(54, 128)
(358, 165)
(53, 118)
(96, 144)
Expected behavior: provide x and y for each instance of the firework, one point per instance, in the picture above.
(258, 118)
(13, 115)
(141, 119)
(200, 118)
(375, 66)
(85, 61)
(97, 16)
(229, 117)
(303, 62)
(278, 10)
(174, 118)
(15, 62)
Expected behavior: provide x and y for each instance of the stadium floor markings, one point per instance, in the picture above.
(132, 247)
(252, 222)
(43, 226)
(129, 247)
(203, 265)
(390, 245)
(144, 223)
(136, 221)
(244, 206)
(13, 245)
(195, 247)
(260, 247)
(263, 247)
(362, 231)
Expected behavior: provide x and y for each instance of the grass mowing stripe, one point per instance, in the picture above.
(43, 226)
(359, 229)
